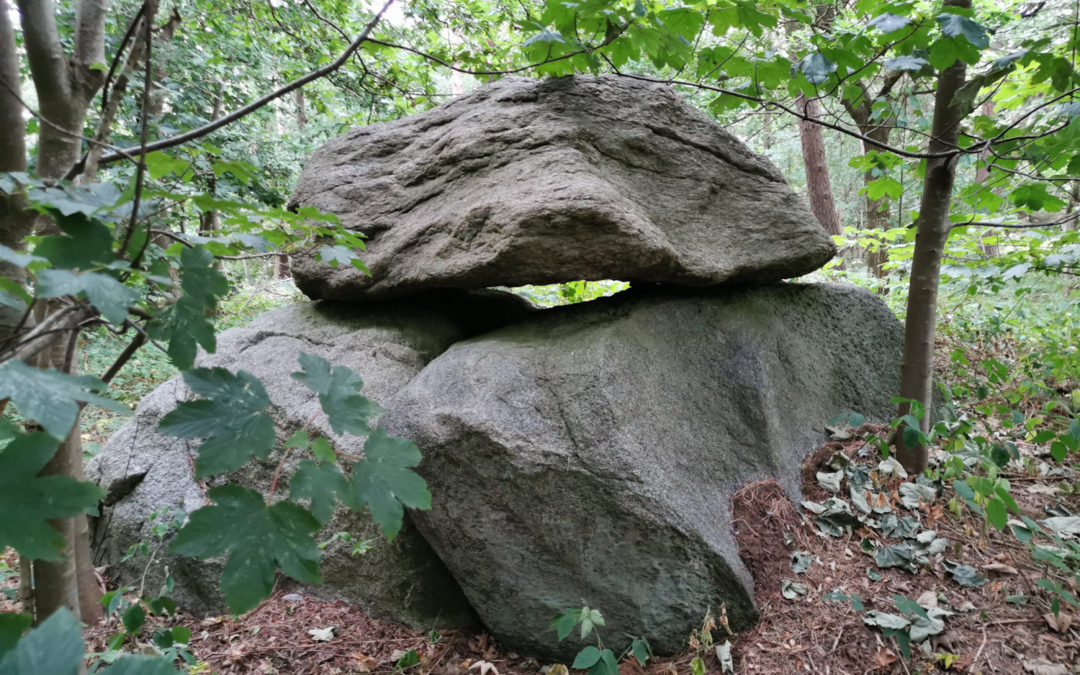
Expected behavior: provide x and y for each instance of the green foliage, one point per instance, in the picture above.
(257, 539)
(55, 647)
(28, 501)
(231, 418)
(337, 389)
(385, 483)
(49, 397)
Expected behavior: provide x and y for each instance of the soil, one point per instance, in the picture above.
(807, 634)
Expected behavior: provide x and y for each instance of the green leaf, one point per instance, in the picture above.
(257, 539)
(816, 67)
(544, 36)
(54, 648)
(111, 297)
(12, 626)
(965, 575)
(16, 258)
(384, 481)
(133, 619)
(186, 324)
(28, 502)
(50, 397)
(908, 607)
(322, 484)
(232, 419)
(337, 388)
(89, 244)
(139, 664)
(996, 513)
(590, 619)
(897, 555)
(889, 23)
(912, 63)
(641, 650)
(564, 623)
(697, 666)
(955, 25)
(586, 658)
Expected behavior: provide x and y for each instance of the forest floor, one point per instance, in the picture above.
(815, 592)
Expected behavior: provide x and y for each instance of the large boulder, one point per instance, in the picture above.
(540, 181)
(589, 453)
(387, 345)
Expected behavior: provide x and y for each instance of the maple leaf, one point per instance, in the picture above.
(337, 388)
(385, 481)
(28, 502)
(257, 538)
(231, 418)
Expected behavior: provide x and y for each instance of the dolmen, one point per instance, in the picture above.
(576, 455)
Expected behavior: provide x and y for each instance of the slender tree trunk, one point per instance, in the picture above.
(15, 223)
(210, 221)
(982, 174)
(65, 86)
(877, 213)
(818, 184)
(917, 373)
(281, 262)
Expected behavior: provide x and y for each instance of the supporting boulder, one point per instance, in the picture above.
(540, 181)
(588, 454)
(146, 472)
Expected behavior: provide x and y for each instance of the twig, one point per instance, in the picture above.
(214, 125)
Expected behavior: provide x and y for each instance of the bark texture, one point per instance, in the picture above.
(917, 381)
(818, 183)
(65, 85)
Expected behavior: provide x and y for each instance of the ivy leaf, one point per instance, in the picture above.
(954, 25)
(29, 502)
(322, 484)
(111, 297)
(257, 538)
(231, 418)
(965, 575)
(50, 397)
(888, 22)
(816, 67)
(897, 555)
(186, 324)
(337, 388)
(12, 626)
(55, 647)
(384, 481)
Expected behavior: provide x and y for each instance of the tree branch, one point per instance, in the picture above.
(213, 126)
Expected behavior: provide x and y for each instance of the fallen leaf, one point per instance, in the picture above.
(486, 667)
(1000, 568)
(723, 654)
(1044, 667)
(363, 662)
(791, 589)
(322, 634)
(1059, 623)
(883, 658)
(927, 600)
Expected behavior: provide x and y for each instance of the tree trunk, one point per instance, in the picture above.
(982, 174)
(917, 373)
(818, 184)
(65, 86)
(15, 223)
